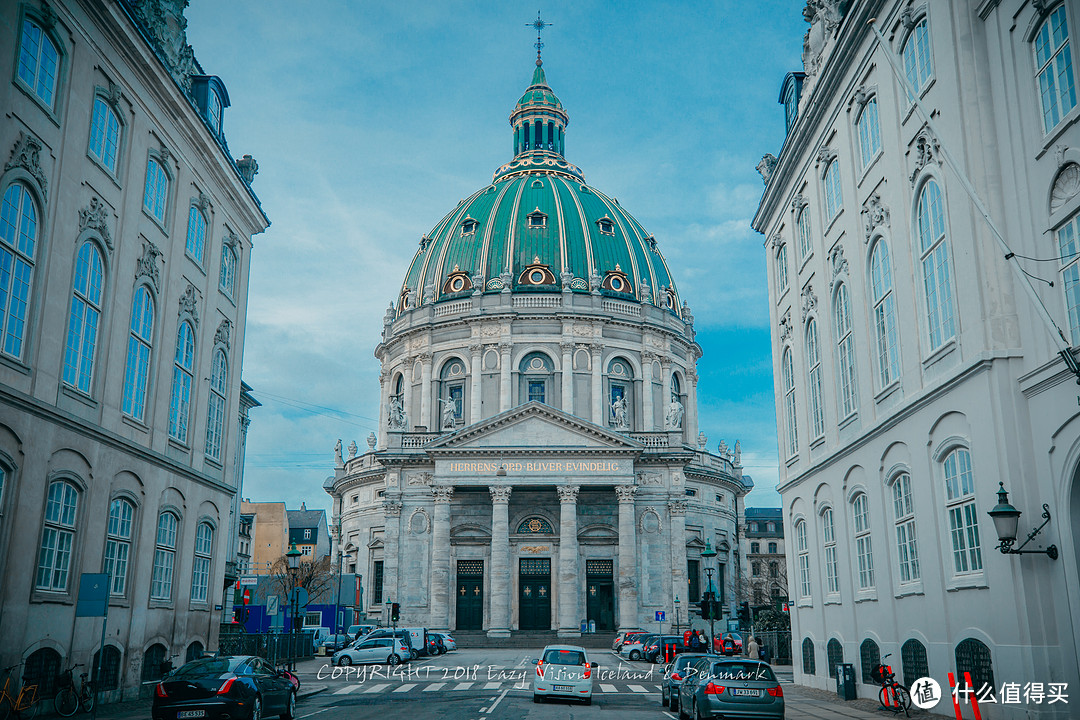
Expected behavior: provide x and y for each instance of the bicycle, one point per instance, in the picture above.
(23, 705)
(68, 700)
(893, 696)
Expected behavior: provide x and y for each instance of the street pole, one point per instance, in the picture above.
(712, 610)
(676, 614)
(337, 598)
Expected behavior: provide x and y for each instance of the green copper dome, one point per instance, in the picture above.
(538, 227)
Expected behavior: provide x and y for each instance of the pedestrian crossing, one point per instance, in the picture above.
(494, 686)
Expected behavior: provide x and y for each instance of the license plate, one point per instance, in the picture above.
(564, 688)
(747, 693)
(190, 714)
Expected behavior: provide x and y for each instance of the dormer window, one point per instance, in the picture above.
(617, 281)
(537, 220)
(213, 111)
(607, 227)
(469, 227)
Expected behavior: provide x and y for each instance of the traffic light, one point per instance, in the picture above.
(709, 607)
(395, 612)
(744, 611)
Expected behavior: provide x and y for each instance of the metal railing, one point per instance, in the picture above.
(275, 648)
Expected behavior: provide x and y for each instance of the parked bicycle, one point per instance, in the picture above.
(69, 698)
(22, 704)
(893, 696)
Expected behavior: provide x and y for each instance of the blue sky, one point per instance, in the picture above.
(371, 120)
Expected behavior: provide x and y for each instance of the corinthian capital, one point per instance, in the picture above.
(442, 493)
(567, 493)
(676, 507)
(499, 493)
(391, 508)
(625, 493)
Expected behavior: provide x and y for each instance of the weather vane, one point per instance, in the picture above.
(539, 25)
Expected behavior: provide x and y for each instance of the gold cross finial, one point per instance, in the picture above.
(539, 25)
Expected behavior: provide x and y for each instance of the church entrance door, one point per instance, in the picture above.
(534, 594)
(470, 594)
(600, 594)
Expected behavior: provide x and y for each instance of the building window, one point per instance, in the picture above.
(606, 226)
(537, 219)
(869, 132)
(18, 237)
(469, 227)
(802, 224)
(1053, 61)
(110, 669)
(57, 536)
(312, 619)
(137, 370)
(935, 262)
(789, 403)
(752, 527)
(693, 581)
(860, 508)
(755, 547)
(772, 548)
(307, 533)
(227, 280)
(972, 656)
(755, 568)
(791, 106)
(770, 527)
(913, 661)
(960, 505)
(781, 268)
(157, 188)
(917, 64)
(164, 557)
(453, 384)
(83, 319)
(213, 111)
(1070, 273)
(833, 197)
(200, 574)
(906, 546)
(39, 62)
(377, 583)
(832, 576)
(691, 492)
(813, 361)
(870, 655)
(215, 414)
(808, 656)
(183, 372)
(888, 354)
(835, 653)
(118, 544)
(196, 234)
(804, 559)
(720, 499)
(774, 570)
(104, 134)
(42, 669)
(845, 347)
(537, 391)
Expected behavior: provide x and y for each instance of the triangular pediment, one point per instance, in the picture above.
(535, 426)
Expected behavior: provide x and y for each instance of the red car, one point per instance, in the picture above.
(728, 644)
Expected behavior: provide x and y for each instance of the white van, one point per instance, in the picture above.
(321, 633)
(418, 639)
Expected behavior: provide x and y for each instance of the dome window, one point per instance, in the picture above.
(669, 298)
(537, 219)
(457, 282)
(537, 183)
(607, 227)
(469, 227)
(403, 300)
(536, 273)
(616, 281)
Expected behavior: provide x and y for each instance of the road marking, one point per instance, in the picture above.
(347, 689)
(669, 715)
(463, 686)
(433, 687)
(637, 688)
(377, 688)
(607, 688)
(301, 717)
(404, 688)
(497, 701)
(493, 685)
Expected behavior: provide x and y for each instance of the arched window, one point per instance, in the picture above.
(137, 371)
(83, 319)
(870, 655)
(153, 660)
(452, 394)
(808, 657)
(39, 62)
(1069, 252)
(906, 546)
(828, 528)
(802, 224)
(835, 652)
(110, 669)
(18, 238)
(229, 262)
(43, 669)
(869, 132)
(57, 536)
(194, 651)
(935, 264)
(803, 550)
(972, 656)
(913, 661)
(1054, 69)
(833, 197)
(888, 353)
(845, 347)
(918, 65)
(788, 373)
(755, 568)
(960, 506)
(200, 573)
(155, 195)
(196, 234)
(118, 544)
(183, 372)
(104, 134)
(215, 411)
(860, 510)
(536, 371)
(813, 363)
(676, 388)
(621, 394)
(781, 269)
(213, 111)
(164, 557)
(535, 526)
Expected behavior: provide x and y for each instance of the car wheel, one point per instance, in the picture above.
(674, 704)
(290, 707)
(537, 698)
(256, 708)
(414, 653)
(635, 655)
(393, 660)
(344, 660)
(663, 697)
(588, 700)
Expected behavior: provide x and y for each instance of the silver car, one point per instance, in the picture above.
(674, 675)
(563, 671)
(731, 689)
(384, 650)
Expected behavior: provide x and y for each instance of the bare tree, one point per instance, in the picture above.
(317, 577)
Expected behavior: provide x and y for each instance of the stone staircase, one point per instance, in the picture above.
(467, 639)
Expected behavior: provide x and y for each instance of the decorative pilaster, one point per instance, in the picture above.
(407, 374)
(440, 558)
(665, 379)
(569, 589)
(384, 405)
(677, 528)
(392, 513)
(691, 424)
(475, 357)
(425, 390)
(567, 376)
(499, 612)
(628, 573)
(599, 407)
(504, 376)
(647, 360)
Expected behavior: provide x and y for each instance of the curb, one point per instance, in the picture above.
(310, 693)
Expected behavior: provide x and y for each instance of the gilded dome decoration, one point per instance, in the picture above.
(536, 273)
(616, 281)
(457, 282)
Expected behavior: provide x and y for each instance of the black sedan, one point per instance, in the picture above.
(225, 688)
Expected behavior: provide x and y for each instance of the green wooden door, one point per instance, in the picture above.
(600, 594)
(470, 594)
(534, 594)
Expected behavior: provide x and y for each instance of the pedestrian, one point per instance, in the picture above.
(695, 642)
(702, 639)
(752, 649)
(765, 655)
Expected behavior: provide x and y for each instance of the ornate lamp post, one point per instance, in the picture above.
(1006, 518)
(293, 556)
(708, 554)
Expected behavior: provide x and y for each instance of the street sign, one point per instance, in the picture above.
(93, 595)
(299, 597)
(249, 580)
(659, 616)
(733, 625)
(272, 605)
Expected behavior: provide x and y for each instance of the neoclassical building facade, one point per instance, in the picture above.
(916, 369)
(539, 461)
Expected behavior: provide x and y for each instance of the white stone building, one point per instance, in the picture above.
(914, 373)
(125, 242)
(539, 461)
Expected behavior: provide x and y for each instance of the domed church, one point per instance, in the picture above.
(538, 461)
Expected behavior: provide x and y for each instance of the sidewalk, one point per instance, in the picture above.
(803, 703)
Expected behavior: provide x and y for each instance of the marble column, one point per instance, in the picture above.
(628, 572)
(570, 586)
(425, 390)
(407, 374)
(691, 423)
(677, 528)
(567, 376)
(501, 587)
(476, 359)
(440, 559)
(599, 407)
(392, 513)
(647, 392)
(384, 407)
(504, 376)
(665, 394)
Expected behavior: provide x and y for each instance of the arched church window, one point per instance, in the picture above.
(536, 371)
(676, 388)
(452, 394)
(535, 526)
(620, 394)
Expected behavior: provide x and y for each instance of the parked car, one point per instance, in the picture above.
(435, 644)
(236, 687)
(674, 675)
(731, 689)
(563, 671)
(654, 651)
(402, 633)
(448, 641)
(381, 650)
(729, 644)
(632, 647)
(321, 633)
(332, 643)
(622, 637)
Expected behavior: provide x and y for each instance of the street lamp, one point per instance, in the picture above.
(1006, 518)
(293, 556)
(676, 614)
(708, 554)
